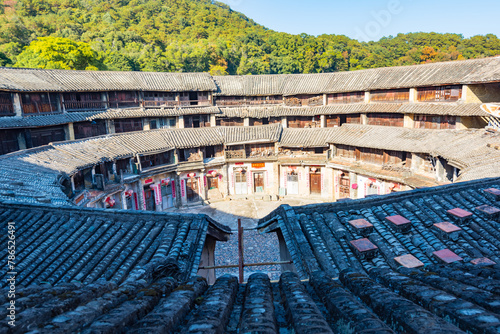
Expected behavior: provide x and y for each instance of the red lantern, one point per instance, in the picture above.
(213, 173)
(165, 182)
(129, 193)
(110, 202)
(191, 175)
(314, 169)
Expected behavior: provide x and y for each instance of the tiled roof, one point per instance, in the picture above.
(85, 116)
(316, 137)
(38, 171)
(152, 112)
(88, 270)
(448, 109)
(433, 74)
(250, 85)
(62, 245)
(451, 109)
(33, 175)
(318, 237)
(46, 120)
(242, 134)
(387, 302)
(470, 150)
(26, 80)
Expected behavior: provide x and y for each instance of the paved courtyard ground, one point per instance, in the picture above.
(258, 248)
(250, 211)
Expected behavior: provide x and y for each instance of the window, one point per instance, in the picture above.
(6, 105)
(128, 125)
(439, 94)
(395, 95)
(353, 97)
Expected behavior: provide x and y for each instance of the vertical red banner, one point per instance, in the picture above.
(173, 189)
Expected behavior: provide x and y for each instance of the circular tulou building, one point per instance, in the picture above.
(403, 163)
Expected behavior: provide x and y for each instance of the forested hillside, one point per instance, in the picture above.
(198, 35)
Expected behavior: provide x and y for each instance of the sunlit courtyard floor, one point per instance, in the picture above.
(250, 211)
(258, 248)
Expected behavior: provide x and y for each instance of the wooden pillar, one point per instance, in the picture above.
(413, 95)
(21, 140)
(364, 119)
(285, 254)
(16, 100)
(178, 193)
(146, 126)
(180, 122)
(409, 121)
(284, 122)
(140, 195)
(213, 120)
(110, 126)
(208, 260)
(367, 97)
(69, 131)
(323, 121)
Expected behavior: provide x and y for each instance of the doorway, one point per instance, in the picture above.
(149, 199)
(345, 186)
(258, 182)
(240, 184)
(192, 190)
(292, 183)
(315, 181)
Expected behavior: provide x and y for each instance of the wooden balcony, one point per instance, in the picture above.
(124, 103)
(193, 103)
(242, 103)
(36, 108)
(172, 104)
(239, 154)
(159, 104)
(84, 105)
(246, 154)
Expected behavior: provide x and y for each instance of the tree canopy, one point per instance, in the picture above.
(59, 53)
(201, 36)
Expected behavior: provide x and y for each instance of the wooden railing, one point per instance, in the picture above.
(239, 154)
(246, 154)
(166, 103)
(187, 103)
(86, 105)
(124, 104)
(170, 103)
(39, 108)
(248, 103)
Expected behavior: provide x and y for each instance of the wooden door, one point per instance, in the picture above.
(258, 182)
(345, 187)
(149, 198)
(292, 184)
(240, 184)
(192, 190)
(315, 182)
(44, 136)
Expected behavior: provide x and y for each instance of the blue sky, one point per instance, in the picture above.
(371, 20)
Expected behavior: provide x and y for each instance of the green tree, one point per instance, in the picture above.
(4, 60)
(200, 35)
(59, 53)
